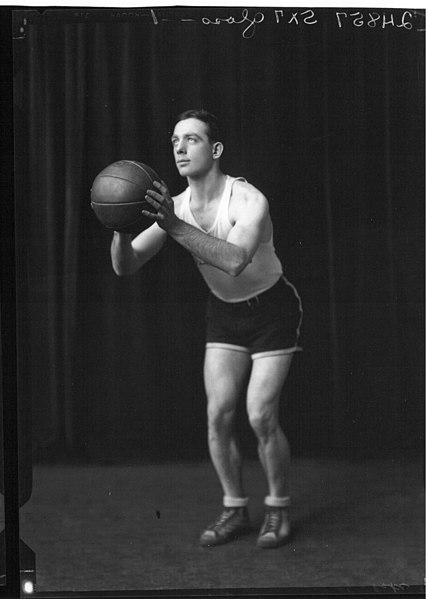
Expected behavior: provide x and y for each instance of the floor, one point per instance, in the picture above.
(134, 527)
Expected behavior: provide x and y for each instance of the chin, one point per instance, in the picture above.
(195, 173)
(183, 170)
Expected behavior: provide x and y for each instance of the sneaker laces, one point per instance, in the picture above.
(224, 517)
(224, 521)
(272, 521)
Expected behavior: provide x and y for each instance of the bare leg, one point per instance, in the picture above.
(225, 372)
(265, 385)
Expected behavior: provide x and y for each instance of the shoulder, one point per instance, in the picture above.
(246, 196)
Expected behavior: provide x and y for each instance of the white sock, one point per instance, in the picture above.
(277, 501)
(235, 501)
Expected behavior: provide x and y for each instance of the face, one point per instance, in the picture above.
(193, 152)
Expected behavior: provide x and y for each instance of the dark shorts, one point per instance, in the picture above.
(268, 324)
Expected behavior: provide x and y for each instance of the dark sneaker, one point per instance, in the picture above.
(275, 530)
(232, 522)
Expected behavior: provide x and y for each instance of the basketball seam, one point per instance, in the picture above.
(119, 204)
(142, 168)
(121, 178)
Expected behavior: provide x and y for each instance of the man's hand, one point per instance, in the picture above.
(162, 202)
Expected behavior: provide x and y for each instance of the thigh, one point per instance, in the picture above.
(225, 374)
(267, 378)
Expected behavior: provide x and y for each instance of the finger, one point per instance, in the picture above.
(155, 203)
(155, 195)
(151, 215)
(160, 185)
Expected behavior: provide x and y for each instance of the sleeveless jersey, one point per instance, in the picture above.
(259, 275)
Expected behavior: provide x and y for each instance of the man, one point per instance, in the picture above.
(253, 315)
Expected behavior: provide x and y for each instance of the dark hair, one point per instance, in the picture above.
(212, 122)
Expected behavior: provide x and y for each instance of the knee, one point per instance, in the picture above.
(220, 416)
(262, 421)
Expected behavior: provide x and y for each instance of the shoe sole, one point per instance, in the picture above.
(270, 544)
(222, 540)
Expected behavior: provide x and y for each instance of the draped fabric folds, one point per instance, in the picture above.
(327, 123)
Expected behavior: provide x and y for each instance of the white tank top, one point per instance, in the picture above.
(259, 275)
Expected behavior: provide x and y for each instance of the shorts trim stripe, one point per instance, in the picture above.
(299, 299)
(230, 346)
(276, 352)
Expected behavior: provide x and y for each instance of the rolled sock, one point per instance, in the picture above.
(235, 501)
(277, 501)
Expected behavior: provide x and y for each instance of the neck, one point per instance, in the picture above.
(207, 188)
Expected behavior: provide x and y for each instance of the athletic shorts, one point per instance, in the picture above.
(265, 325)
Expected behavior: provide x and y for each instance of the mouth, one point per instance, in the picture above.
(182, 162)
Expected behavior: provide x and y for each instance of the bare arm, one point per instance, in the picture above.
(216, 252)
(128, 256)
(232, 255)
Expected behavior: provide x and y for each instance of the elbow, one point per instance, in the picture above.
(120, 271)
(239, 264)
(235, 271)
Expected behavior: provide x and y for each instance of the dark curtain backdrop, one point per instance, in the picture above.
(326, 121)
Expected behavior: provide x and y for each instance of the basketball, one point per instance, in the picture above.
(118, 196)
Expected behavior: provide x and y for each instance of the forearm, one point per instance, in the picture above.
(226, 256)
(124, 260)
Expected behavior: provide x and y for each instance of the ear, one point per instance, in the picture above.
(217, 150)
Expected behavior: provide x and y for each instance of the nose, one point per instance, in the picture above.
(180, 147)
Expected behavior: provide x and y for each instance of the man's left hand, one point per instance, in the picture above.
(162, 201)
